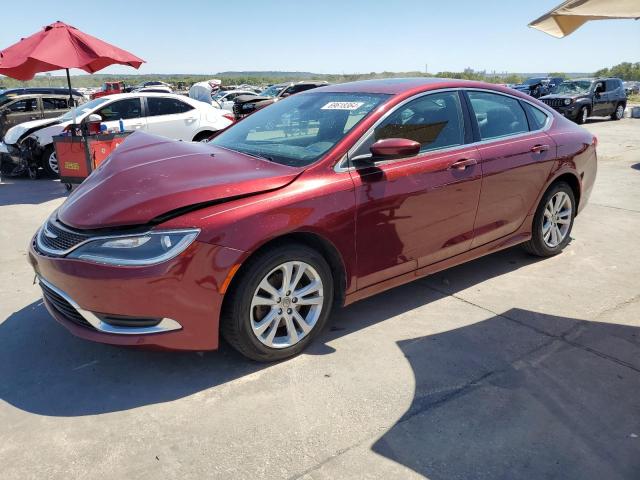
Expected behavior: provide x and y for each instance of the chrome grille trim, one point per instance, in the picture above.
(165, 324)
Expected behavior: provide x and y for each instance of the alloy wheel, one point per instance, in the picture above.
(619, 112)
(585, 114)
(286, 304)
(557, 219)
(53, 162)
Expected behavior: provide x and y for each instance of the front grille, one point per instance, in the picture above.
(553, 102)
(59, 239)
(63, 307)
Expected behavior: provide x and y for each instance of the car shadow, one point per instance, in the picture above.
(22, 191)
(494, 400)
(636, 166)
(46, 370)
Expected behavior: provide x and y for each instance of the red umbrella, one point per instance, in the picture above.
(61, 46)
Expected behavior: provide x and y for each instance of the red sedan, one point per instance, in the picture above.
(319, 200)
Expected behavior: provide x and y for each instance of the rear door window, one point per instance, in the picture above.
(166, 106)
(54, 103)
(497, 115)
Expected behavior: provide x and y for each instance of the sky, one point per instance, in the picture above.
(330, 36)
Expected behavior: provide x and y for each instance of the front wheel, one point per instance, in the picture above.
(279, 304)
(583, 114)
(553, 221)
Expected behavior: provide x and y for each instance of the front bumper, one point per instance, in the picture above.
(183, 294)
(10, 152)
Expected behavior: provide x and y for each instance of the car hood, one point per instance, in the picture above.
(14, 134)
(149, 176)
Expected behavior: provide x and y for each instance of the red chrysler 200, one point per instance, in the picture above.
(319, 200)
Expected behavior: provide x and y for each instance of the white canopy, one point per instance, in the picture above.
(572, 14)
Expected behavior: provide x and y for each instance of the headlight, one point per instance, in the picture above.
(144, 249)
(567, 101)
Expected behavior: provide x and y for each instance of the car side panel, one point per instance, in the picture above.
(314, 203)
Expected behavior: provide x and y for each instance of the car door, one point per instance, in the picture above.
(414, 211)
(600, 99)
(129, 110)
(171, 117)
(515, 159)
(54, 106)
(20, 111)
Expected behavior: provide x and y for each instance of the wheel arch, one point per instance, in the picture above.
(572, 180)
(313, 240)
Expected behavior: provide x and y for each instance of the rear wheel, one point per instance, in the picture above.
(50, 162)
(618, 113)
(553, 221)
(279, 304)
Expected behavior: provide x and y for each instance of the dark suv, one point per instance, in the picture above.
(588, 97)
(245, 105)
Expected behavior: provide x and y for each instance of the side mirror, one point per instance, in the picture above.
(94, 117)
(394, 147)
(285, 95)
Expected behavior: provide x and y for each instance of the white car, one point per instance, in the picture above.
(225, 98)
(169, 115)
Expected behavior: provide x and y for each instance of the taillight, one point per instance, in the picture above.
(595, 141)
(229, 116)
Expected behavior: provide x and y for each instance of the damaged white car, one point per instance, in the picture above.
(29, 146)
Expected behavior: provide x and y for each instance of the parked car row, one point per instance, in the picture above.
(29, 145)
(244, 105)
(579, 99)
(583, 98)
(538, 86)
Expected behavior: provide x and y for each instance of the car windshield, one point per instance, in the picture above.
(83, 109)
(533, 81)
(301, 129)
(577, 86)
(272, 91)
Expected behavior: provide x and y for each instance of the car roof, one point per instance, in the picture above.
(395, 86)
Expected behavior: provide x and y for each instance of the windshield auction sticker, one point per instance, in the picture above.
(342, 106)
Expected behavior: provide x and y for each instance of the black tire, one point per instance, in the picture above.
(44, 161)
(235, 321)
(580, 118)
(537, 246)
(616, 115)
(202, 136)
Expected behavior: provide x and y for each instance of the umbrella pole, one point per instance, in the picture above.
(71, 102)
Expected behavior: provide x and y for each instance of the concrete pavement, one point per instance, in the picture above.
(507, 367)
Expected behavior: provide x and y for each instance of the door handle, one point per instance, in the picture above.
(539, 148)
(463, 163)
